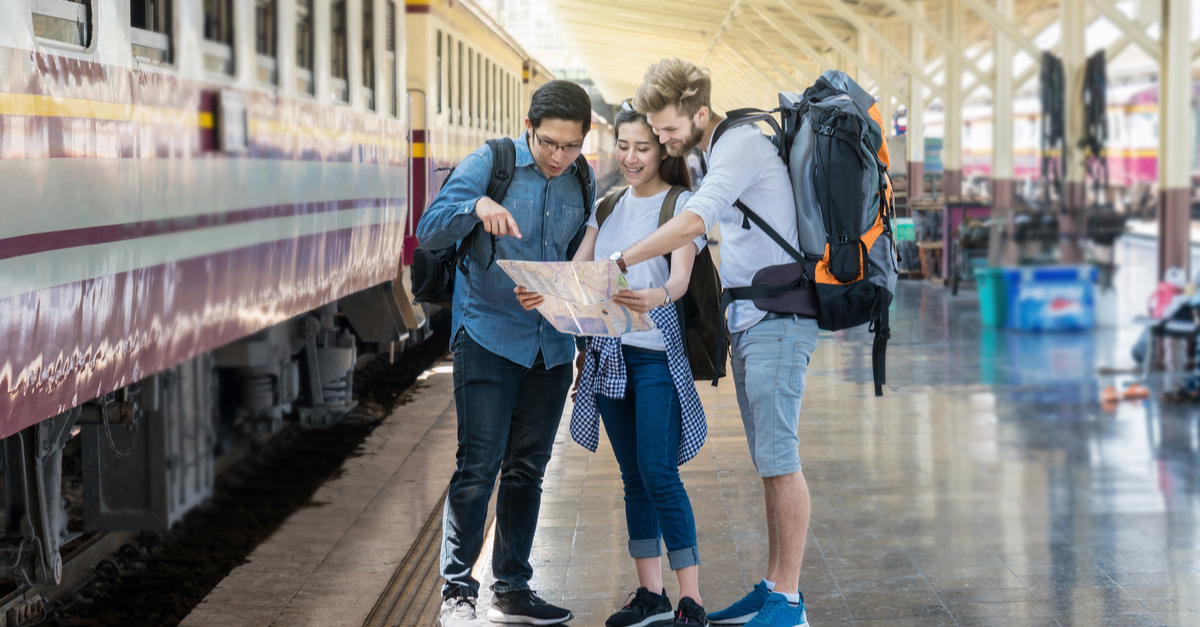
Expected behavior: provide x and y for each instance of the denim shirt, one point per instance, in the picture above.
(549, 213)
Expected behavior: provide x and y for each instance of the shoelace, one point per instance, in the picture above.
(685, 619)
(633, 599)
(467, 601)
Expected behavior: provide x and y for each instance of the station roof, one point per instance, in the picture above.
(755, 48)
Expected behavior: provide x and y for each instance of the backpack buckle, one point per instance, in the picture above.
(841, 239)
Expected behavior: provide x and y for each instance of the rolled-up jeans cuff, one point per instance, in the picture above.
(644, 548)
(682, 558)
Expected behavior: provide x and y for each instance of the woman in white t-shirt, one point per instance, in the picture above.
(642, 385)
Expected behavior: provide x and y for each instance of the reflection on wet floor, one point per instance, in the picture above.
(987, 487)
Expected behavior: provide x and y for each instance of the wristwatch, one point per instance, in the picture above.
(619, 258)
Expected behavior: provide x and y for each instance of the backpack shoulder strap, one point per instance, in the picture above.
(668, 207)
(582, 172)
(741, 117)
(607, 205)
(668, 211)
(504, 167)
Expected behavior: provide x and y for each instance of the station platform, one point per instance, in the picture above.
(986, 487)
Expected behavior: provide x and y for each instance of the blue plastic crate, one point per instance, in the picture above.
(1051, 298)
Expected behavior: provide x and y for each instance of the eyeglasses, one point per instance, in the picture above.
(627, 104)
(571, 149)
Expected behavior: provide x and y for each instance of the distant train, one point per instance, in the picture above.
(207, 208)
(1133, 134)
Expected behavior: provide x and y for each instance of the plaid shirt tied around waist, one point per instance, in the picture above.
(604, 373)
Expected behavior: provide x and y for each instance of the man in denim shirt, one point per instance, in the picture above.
(512, 369)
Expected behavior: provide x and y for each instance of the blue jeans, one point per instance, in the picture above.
(644, 429)
(508, 416)
(770, 361)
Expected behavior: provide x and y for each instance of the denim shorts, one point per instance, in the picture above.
(770, 361)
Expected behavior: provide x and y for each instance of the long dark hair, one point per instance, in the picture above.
(672, 170)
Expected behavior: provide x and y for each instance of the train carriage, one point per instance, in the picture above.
(205, 212)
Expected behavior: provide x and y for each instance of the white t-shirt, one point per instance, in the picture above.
(631, 221)
(744, 165)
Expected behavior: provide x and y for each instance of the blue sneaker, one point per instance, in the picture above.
(779, 613)
(744, 609)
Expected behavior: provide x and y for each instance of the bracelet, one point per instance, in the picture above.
(668, 295)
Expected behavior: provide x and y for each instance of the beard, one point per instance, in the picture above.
(691, 142)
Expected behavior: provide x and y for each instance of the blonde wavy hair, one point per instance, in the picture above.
(673, 82)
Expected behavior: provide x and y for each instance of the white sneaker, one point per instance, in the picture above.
(458, 611)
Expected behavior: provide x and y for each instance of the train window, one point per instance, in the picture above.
(150, 35)
(470, 87)
(264, 40)
(68, 21)
(450, 76)
(368, 54)
(487, 94)
(439, 71)
(339, 66)
(304, 47)
(218, 36)
(479, 89)
(393, 80)
(495, 98)
(459, 76)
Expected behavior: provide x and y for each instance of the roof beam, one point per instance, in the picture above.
(988, 13)
(1128, 27)
(902, 8)
(883, 44)
(776, 85)
(842, 49)
(755, 90)
(729, 15)
(778, 70)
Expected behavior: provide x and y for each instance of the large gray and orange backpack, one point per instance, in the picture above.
(845, 272)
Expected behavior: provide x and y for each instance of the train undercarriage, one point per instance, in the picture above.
(141, 457)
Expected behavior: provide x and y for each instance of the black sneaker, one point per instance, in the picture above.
(457, 611)
(690, 614)
(643, 609)
(523, 606)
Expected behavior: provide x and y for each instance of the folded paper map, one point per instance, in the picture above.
(579, 295)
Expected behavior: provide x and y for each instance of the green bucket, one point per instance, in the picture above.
(993, 296)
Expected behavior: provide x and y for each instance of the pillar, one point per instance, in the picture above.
(952, 133)
(1175, 134)
(916, 110)
(1072, 223)
(1002, 141)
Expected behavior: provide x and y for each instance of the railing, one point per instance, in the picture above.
(304, 81)
(61, 20)
(267, 72)
(150, 46)
(339, 89)
(218, 57)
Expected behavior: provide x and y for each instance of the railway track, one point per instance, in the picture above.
(151, 579)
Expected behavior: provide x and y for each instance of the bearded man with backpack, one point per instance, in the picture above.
(512, 369)
(770, 351)
(807, 244)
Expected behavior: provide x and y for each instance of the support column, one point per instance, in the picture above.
(952, 128)
(1175, 133)
(1072, 223)
(1002, 143)
(860, 74)
(886, 110)
(916, 110)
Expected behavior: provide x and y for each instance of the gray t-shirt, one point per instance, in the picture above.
(744, 165)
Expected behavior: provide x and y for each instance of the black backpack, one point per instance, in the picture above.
(699, 310)
(432, 271)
